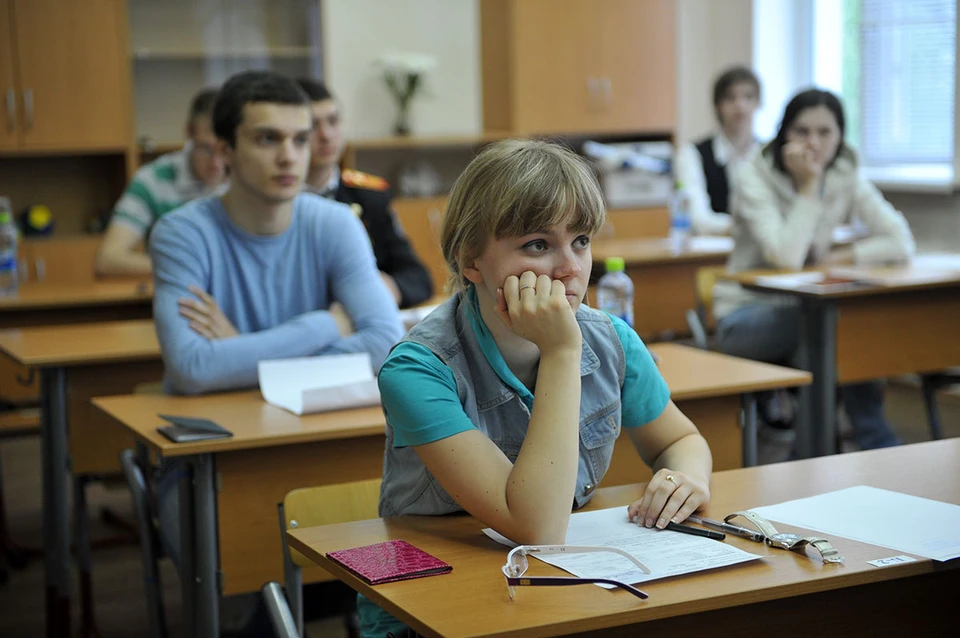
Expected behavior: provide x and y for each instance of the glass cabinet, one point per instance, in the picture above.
(179, 47)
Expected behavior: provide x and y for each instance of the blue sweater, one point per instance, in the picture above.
(274, 289)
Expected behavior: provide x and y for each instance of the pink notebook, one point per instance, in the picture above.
(389, 561)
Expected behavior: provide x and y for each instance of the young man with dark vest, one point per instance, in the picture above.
(369, 198)
(708, 168)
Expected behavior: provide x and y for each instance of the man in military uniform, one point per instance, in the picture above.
(368, 196)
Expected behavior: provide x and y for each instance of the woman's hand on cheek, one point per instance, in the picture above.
(536, 308)
(800, 163)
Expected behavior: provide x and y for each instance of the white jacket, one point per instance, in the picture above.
(774, 227)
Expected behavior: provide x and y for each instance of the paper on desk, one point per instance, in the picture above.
(709, 244)
(789, 280)
(319, 384)
(666, 553)
(879, 517)
(928, 268)
(412, 316)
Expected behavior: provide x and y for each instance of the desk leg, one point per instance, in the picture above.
(748, 423)
(187, 578)
(207, 551)
(199, 554)
(56, 514)
(816, 434)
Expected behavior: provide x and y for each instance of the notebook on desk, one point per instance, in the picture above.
(186, 429)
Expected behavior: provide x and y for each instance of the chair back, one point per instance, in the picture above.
(328, 505)
(700, 319)
(706, 277)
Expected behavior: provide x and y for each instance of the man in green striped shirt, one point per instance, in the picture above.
(161, 186)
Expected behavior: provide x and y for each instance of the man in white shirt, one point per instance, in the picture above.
(707, 168)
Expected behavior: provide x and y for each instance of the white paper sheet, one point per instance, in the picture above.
(412, 316)
(710, 244)
(790, 280)
(319, 384)
(666, 553)
(880, 517)
(927, 268)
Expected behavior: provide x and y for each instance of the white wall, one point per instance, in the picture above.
(357, 32)
(711, 36)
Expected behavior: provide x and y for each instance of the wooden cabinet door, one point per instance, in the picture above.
(74, 74)
(8, 87)
(552, 58)
(637, 41)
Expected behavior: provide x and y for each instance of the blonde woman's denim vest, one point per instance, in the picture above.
(496, 410)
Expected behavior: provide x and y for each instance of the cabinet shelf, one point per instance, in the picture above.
(291, 53)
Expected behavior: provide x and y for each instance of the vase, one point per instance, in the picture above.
(402, 126)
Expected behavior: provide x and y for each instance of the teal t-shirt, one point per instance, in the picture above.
(419, 392)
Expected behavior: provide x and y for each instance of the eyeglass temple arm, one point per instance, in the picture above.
(562, 581)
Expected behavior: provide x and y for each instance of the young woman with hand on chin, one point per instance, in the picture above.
(507, 400)
(787, 202)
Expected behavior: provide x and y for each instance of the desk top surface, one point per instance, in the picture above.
(691, 373)
(40, 295)
(81, 344)
(253, 422)
(926, 272)
(472, 600)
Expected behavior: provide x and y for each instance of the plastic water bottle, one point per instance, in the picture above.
(615, 291)
(9, 238)
(680, 223)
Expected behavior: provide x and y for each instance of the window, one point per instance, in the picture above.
(894, 64)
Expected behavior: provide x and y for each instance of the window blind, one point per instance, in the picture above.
(907, 75)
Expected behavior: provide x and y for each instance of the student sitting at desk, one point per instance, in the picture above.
(708, 168)
(161, 186)
(506, 401)
(256, 274)
(787, 203)
(367, 195)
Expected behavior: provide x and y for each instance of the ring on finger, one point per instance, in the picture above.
(525, 286)
(671, 479)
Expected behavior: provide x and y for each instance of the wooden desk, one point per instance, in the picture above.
(39, 303)
(784, 594)
(863, 332)
(273, 451)
(717, 392)
(78, 362)
(664, 281)
(55, 303)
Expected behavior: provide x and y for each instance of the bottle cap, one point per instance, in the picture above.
(613, 264)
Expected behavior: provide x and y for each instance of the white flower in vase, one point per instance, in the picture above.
(404, 75)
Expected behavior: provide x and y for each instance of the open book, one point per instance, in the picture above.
(319, 384)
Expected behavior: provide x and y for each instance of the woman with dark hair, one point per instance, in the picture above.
(708, 167)
(786, 204)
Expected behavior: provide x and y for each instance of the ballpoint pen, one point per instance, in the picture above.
(736, 530)
(695, 531)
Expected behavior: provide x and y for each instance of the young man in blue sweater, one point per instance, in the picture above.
(264, 272)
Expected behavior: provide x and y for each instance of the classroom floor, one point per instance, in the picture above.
(120, 605)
